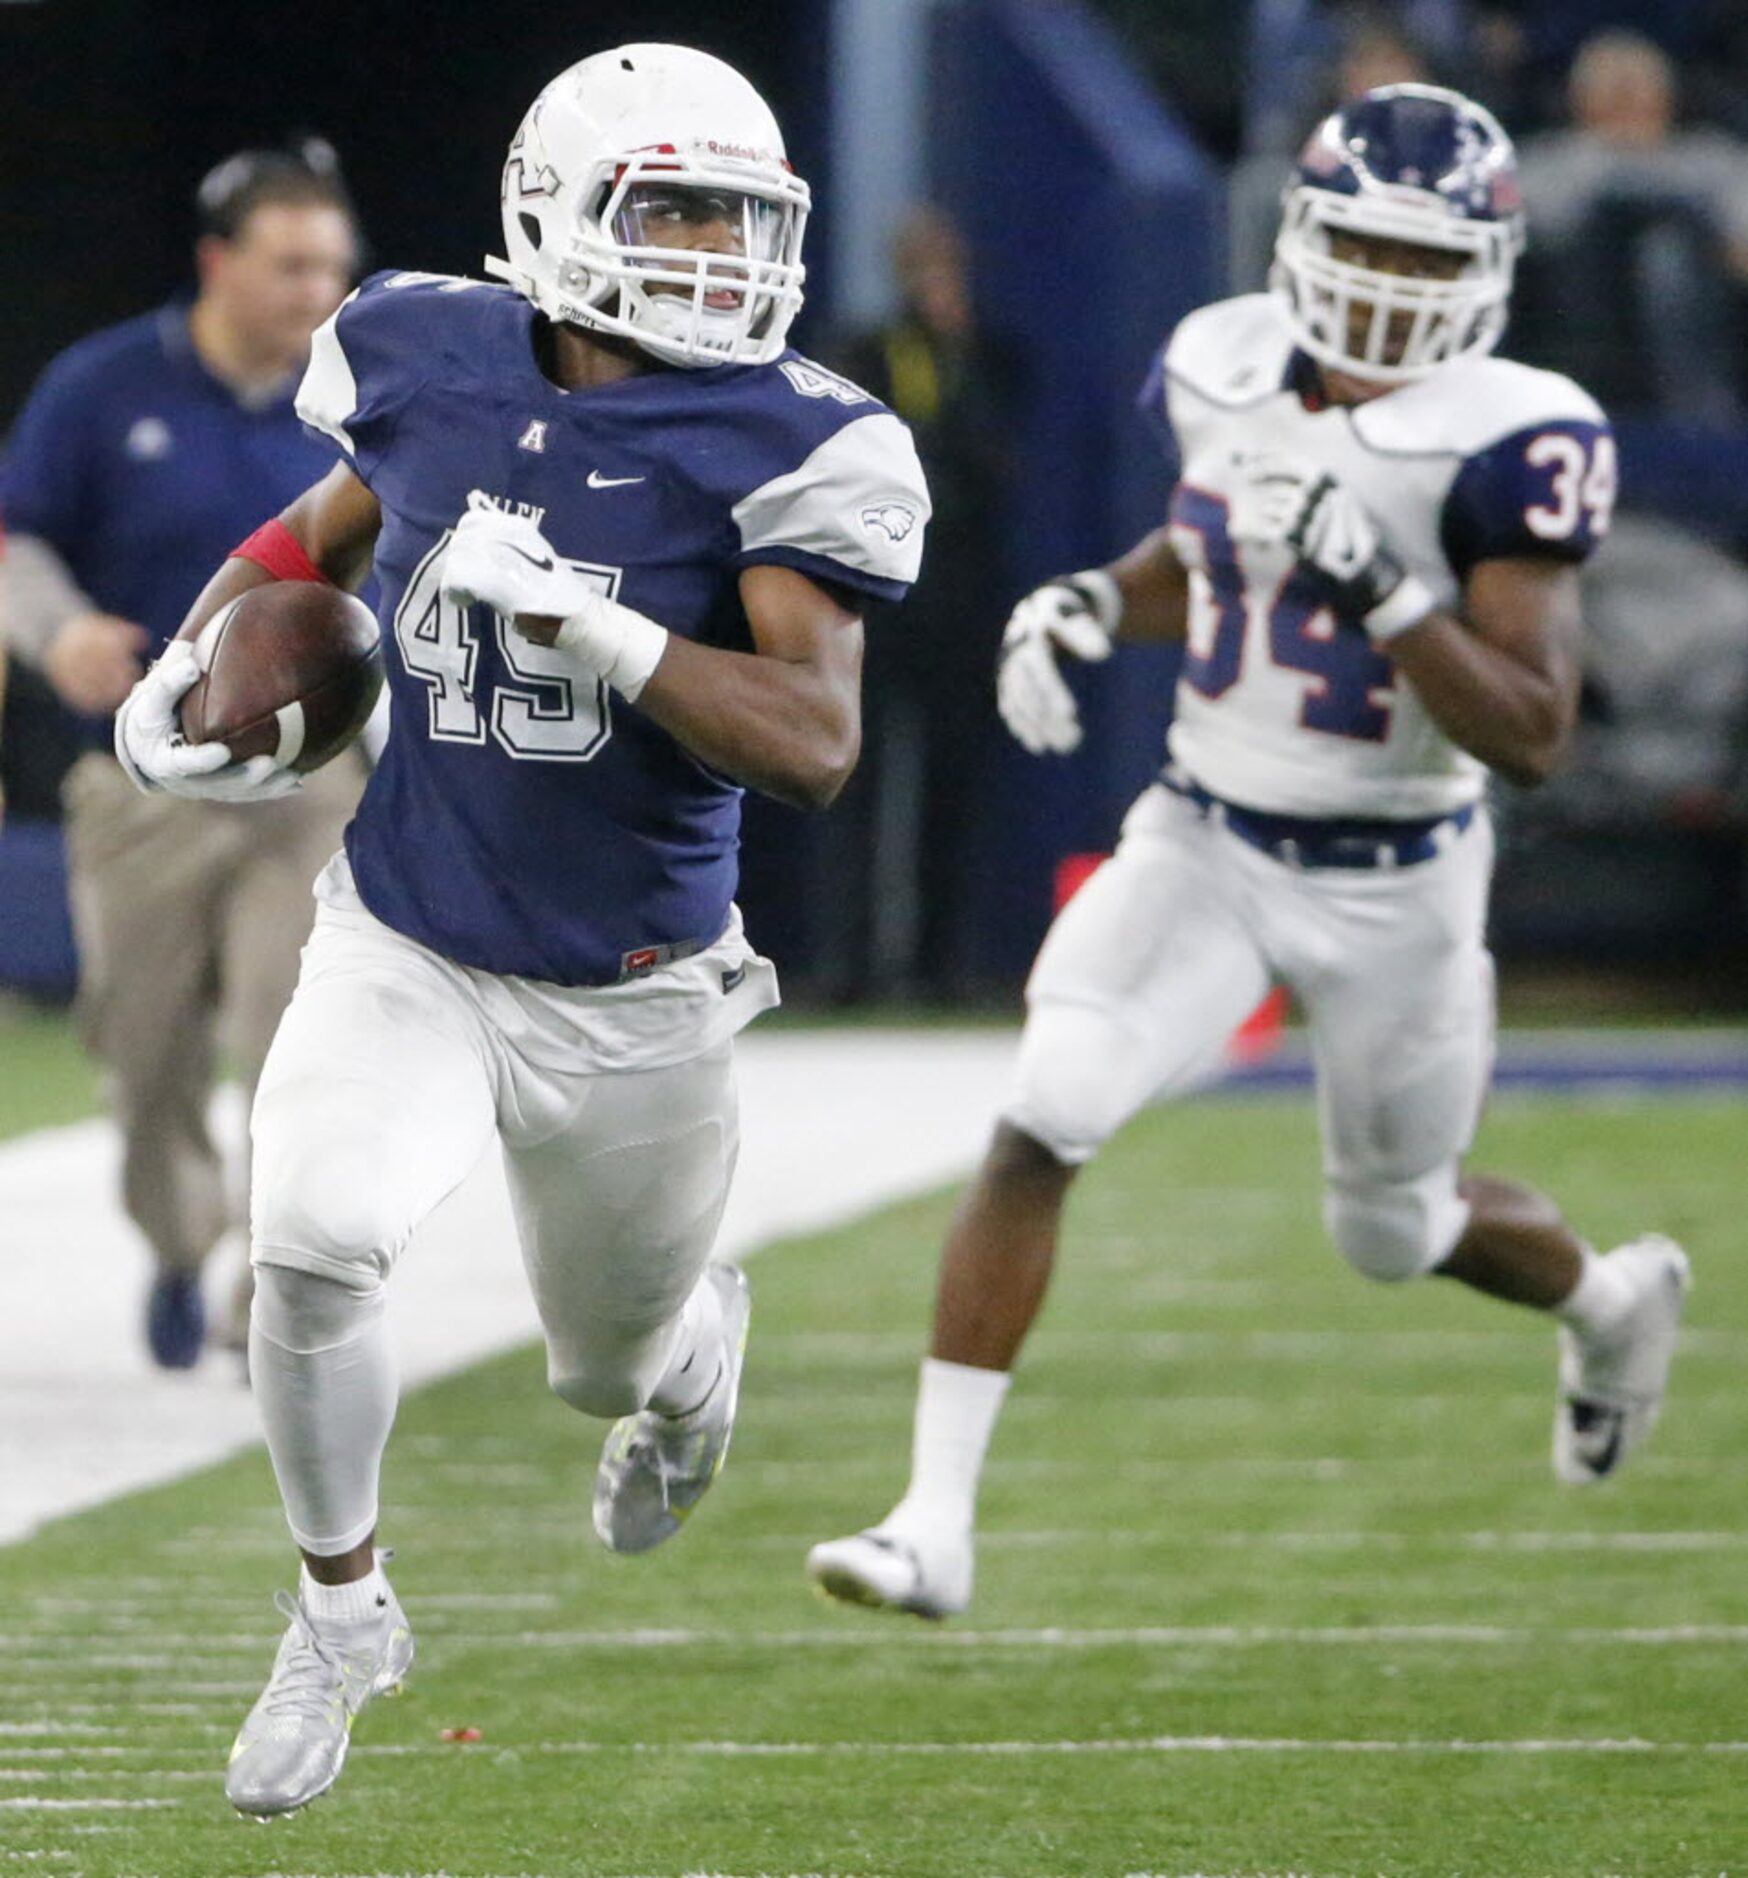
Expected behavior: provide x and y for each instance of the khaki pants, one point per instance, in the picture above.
(189, 917)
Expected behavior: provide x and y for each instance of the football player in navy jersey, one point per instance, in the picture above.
(623, 538)
(1371, 557)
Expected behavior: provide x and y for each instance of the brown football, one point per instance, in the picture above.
(290, 670)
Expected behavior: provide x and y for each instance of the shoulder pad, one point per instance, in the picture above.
(1469, 406)
(1232, 353)
(388, 335)
(402, 280)
(809, 379)
(854, 510)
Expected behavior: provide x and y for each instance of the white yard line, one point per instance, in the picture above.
(33, 1804)
(74, 1651)
(834, 1123)
(1147, 1744)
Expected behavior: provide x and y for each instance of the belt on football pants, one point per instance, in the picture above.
(646, 959)
(1301, 841)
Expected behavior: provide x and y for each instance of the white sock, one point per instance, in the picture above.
(1599, 1300)
(698, 1354)
(364, 1598)
(956, 1410)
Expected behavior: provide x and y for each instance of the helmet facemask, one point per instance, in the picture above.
(725, 292)
(1378, 324)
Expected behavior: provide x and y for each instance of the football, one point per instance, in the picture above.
(290, 670)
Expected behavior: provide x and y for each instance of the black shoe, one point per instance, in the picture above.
(176, 1320)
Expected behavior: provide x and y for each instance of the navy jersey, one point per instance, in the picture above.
(142, 470)
(522, 819)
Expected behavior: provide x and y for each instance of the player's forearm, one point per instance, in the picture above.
(332, 529)
(1516, 719)
(785, 728)
(1155, 590)
(233, 579)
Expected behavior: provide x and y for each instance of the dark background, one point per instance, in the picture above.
(1083, 150)
(112, 110)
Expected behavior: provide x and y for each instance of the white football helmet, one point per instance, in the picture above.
(1408, 163)
(634, 142)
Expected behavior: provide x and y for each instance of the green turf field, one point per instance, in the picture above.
(45, 1077)
(1274, 1580)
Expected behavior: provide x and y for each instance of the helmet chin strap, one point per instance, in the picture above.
(671, 347)
(499, 269)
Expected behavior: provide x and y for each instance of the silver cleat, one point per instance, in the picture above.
(292, 1745)
(655, 1468)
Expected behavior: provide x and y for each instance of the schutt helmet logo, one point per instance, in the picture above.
(895, 519)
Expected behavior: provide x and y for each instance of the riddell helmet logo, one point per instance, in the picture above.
(743, 151)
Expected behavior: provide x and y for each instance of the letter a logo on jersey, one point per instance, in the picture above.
(534, 437)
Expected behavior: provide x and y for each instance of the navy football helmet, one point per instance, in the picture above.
(1408, 163)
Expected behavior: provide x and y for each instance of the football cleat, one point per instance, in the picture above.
(1611, 1387)
(893, 1571)
(292, 1745)
(175, 1320)
(656, 1468)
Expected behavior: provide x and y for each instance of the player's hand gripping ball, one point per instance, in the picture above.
(277, 684)
(290, 671)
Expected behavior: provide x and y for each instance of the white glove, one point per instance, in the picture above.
(1076, 615)
(150, 746)
(1279, 501)
(503, 561)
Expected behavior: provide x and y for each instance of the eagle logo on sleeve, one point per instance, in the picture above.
(895, 520)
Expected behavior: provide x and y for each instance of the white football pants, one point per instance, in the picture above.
(391, 1072)
(1169, 946)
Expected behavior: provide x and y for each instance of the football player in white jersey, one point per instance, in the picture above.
(1372, 559)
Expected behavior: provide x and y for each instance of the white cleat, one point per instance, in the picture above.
(895, 1571)
(656, 1468)
(292, 1745)
(1611, 1388)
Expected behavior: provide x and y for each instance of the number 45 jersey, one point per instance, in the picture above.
(522, 819)
(1283, 704)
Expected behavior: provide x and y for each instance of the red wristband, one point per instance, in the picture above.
(274, 547)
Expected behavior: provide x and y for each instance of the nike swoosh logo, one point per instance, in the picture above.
(598, 481)
(731, 981)
(544, 566)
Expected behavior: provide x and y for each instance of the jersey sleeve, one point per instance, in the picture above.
(1547, 489)
(853, 512)
(364, 365)
(44, 482)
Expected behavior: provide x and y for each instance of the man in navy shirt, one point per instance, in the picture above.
(532, 933)
(144, 452)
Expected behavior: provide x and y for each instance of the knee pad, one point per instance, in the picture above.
(1392, 1230)
(305, 1313)
(1068, 1093)
(319, 1201)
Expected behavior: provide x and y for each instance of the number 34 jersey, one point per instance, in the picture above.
(1283, 704)
(523, 820)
